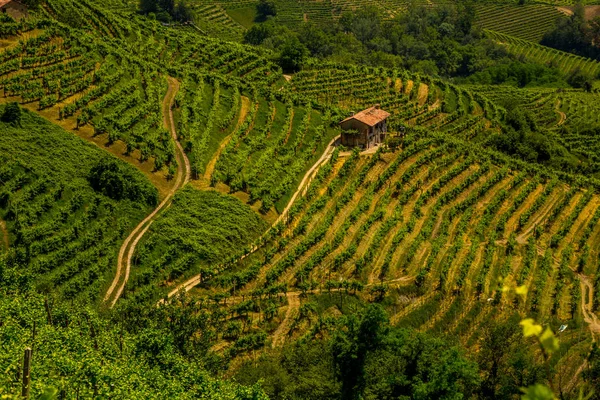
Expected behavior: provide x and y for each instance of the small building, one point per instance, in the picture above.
(13, 8)
(366, 129)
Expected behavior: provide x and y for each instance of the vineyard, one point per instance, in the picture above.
(566, 62)
(528, 22)
(59, 227)
(173, 160)
(434, 229)
(414, 101)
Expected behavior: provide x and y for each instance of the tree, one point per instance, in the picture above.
(350, 348)
(183, 13)
(119, 182)
(265, 9)
(12, 114)
(148, 6)
(32, 3)
(167, 5)
(258, 33)
(580, 80)
(293, 54)
(505, 362)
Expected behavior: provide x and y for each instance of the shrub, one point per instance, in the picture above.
(12, 114)
(118, 182)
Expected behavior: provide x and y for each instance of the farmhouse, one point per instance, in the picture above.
(365, 129)
(14, 8)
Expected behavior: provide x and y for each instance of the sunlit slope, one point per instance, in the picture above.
(63, 230)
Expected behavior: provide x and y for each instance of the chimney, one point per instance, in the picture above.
(377, 106)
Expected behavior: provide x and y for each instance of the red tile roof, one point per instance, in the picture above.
(371, 116)
(5, 2)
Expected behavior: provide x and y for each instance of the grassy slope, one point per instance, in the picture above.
(200, 230)
(243, 16)
(39, 150)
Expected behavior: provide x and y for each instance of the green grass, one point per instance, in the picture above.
(243, 16)
(60, 229)
(200, 231)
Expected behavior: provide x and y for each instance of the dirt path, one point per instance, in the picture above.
(587, 302)
(210, 167)
(522, 238)
(4, 234)
(182, 178)
(590, 12)
(437, 104)
(284, 328)
(310, 174)
(563, 116)
(565, 10)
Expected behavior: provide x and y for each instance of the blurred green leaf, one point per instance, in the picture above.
(530, 328)
(537, 392)
(49, 394)
(521, 290)
(549, 341)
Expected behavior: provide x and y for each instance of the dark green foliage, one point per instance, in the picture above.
(259, 32)
(32, 3)
(576, 35)
(148, 6)
(117, 182)
(506, 364)
(592, 372)
(65, 234)
(365, 357)
(580, 80)
(520, 74)
(265, 9)
(182, 12)
(522, 139)
(82, 354)
(12, 114)
(438, 40)
(293, 54)
(166, 10)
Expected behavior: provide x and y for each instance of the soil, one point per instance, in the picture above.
(182, 178)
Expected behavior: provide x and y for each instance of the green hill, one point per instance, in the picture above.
(201, 176)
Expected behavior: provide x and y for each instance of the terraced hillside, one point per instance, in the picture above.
(55, 221)
(437, 231)
(214, 20)
(565, 62)
(414, 101)
(278, 235)
(570, 117)
(223, 118)
(528, 22)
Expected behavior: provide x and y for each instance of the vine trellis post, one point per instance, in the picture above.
(26, 373)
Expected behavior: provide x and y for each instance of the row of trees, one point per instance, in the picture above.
(363, 357)
(439, 40)
(576, 35)
(167, 10)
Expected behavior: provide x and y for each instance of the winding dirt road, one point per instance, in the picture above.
(587, 306)
(183, 176)
(308, 177)
(284, 328)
